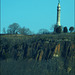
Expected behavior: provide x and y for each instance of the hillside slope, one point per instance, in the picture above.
(48, 47)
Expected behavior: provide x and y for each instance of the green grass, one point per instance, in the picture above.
(55, 36)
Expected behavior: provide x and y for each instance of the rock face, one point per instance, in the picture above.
(38, 48)
(58, 51)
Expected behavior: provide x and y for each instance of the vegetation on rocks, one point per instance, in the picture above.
(46, 54)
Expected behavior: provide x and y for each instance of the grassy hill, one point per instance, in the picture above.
(45, 54)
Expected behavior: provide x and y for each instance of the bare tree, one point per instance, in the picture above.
(4, 31)
(25, 31)
(52, 27)
(43, 31)
(13, 28)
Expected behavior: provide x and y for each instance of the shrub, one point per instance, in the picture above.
(65, 30)
(71, 29)
(59, 29)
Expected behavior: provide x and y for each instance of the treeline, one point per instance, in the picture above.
(16, 29)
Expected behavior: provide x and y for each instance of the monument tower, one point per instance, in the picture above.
(58, 14)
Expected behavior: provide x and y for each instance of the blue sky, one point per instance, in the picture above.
(36, 14)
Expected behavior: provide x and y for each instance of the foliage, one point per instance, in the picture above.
(71, 29)
(59, 29)
(65, 30)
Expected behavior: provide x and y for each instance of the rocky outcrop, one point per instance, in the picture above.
(57, 53)
(39, 48)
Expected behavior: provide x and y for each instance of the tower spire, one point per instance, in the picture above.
(58, 1)
(58, 13)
